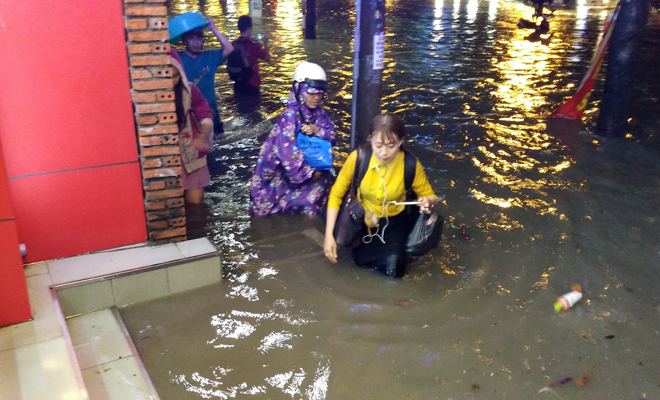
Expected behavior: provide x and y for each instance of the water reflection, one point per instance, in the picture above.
(242, 335)
(437, 13)
(493, 5)
(456, 11)
(471, 10)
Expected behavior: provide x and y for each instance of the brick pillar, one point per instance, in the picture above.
(155, 116)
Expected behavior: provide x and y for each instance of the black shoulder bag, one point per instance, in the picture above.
(350, 219)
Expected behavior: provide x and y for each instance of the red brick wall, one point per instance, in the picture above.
(153, 98)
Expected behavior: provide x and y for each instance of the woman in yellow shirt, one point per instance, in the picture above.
(382, 185)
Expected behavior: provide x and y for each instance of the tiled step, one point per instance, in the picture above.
(115, 278)
(110, 368)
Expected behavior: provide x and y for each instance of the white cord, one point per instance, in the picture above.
(368, 238)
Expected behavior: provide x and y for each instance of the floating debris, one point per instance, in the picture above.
(561, 381)
(609, 337)
(569, 299)
(584, 379)
(463, 234)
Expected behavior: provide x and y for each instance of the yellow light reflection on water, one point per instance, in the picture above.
(504, 203)
(504, 223)
(543, 282)
(502, 290)
(389, 4)
(513, 158)
(288, 20)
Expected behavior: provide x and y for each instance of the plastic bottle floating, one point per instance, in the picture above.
(569, 299)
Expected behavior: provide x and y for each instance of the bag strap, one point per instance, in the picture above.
(194, 118)
(364, 164)
(361, 166)
(239, 46)
(410, 169)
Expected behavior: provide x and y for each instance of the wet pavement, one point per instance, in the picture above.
(543, 206)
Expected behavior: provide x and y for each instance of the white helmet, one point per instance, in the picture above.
(312, 74)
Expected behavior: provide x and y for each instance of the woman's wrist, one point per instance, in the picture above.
(432, 201)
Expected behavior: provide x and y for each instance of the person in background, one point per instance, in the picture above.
(383, 184)
(539, 5)
(283, 182)
(195, 120)
(201, 65)
(254, 53)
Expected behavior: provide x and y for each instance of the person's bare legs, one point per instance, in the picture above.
(194, 196)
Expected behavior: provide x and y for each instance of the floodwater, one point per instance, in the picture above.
(543, 207)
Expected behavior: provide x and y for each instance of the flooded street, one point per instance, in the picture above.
(544, 207)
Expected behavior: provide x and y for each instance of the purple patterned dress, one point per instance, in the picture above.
(282, 181)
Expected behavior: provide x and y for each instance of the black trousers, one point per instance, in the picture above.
(388, 257)
(242, 87)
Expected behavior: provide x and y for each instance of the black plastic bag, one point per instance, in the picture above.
(425, 234)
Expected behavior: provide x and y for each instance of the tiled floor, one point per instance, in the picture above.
(36, 357)
(109, 369)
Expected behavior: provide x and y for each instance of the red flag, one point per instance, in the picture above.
(574, 107)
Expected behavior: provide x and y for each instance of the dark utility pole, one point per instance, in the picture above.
(622, 55)
(369, 46)
(309, 10)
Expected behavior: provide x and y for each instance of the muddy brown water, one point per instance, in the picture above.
(544, 207)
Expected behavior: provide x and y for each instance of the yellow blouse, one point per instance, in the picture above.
(380, 185)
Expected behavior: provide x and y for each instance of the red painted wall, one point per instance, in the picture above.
(14, 305)
(67, 127)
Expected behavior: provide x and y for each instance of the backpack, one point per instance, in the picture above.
(238, 66)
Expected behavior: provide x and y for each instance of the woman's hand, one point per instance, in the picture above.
(316, 176)
(329, 243)
(330, 248)
(199, 142)
(427, 204)
(309, 129)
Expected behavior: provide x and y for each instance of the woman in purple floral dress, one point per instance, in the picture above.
(283, 182)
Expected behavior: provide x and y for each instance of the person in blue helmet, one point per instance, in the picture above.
(201, 65)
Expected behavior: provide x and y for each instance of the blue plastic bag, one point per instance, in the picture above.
(317, 152)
